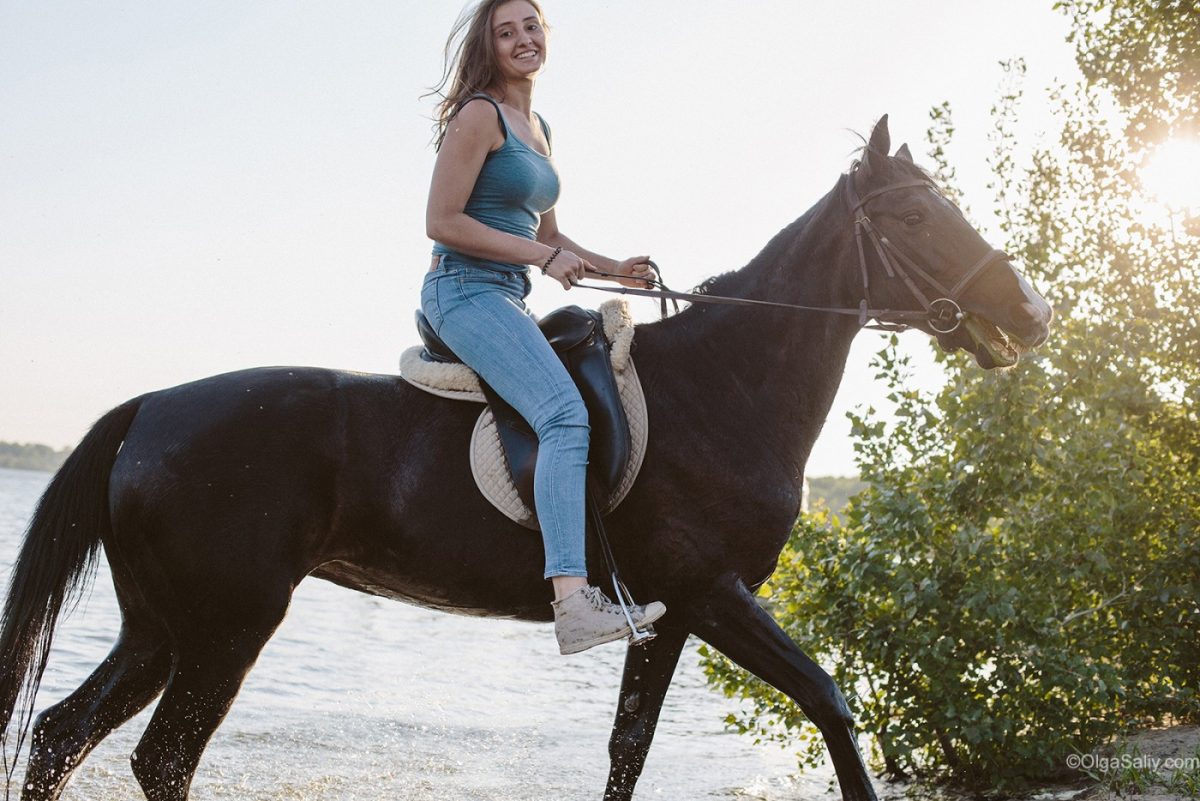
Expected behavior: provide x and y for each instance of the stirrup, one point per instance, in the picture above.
(625, 600)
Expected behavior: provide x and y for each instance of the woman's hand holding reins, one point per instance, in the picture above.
(567, 268)
(638, 269)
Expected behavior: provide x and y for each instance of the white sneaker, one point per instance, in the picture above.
(586, 618)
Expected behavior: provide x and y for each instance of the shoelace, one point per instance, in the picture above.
(599, 602)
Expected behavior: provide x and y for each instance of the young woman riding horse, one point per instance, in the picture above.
(491, 215)
(214, 499)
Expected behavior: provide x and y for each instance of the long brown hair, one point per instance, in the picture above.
(469, 61)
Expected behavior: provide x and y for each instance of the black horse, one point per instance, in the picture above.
(214, 499)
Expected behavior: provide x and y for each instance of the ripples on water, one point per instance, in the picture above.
(359, 698)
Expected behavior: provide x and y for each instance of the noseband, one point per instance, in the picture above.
(944, 313)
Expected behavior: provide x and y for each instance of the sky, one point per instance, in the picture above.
(192, 188)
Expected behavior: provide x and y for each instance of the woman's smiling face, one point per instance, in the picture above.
(520, 40)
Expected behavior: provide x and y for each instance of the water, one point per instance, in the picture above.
(359, 698)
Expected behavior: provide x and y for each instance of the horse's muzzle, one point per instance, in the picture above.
(1029, 322)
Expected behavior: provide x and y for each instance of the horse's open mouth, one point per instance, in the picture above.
(993, 345)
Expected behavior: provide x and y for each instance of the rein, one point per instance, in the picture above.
(944, 313)
(664, 293)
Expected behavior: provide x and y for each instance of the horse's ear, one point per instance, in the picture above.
(903, 154)
(880, 145)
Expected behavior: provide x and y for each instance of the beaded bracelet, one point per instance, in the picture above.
(553, 256)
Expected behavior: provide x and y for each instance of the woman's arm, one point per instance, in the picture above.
(636, 267)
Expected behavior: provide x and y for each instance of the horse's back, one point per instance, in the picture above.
(239, 458)
(273, 473)
(252, 417)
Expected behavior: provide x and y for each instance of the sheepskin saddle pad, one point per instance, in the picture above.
(595, 348)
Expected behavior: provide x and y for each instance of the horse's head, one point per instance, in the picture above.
(926, 262)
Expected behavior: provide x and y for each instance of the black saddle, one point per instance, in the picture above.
(577, 336)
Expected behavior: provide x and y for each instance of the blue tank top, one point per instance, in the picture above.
(515, 187)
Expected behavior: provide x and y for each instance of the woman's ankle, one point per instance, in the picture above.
(567, 585)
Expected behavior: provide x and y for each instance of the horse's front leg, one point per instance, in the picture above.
(730, 620)
(648, 672)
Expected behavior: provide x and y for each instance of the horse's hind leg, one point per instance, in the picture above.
(128, 679)
(648, 672)
(730, 620)
(213, 653)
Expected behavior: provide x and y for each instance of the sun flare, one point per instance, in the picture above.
(1171, 175)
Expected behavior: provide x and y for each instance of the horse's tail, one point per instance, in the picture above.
(56, 560)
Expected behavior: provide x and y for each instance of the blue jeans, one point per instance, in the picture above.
(481, 315)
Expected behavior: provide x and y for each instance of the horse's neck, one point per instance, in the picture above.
(773, 373)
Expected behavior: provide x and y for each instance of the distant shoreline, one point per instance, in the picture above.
(32, 456)
(28, 469)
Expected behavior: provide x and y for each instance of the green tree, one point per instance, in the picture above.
(1021, 578)
(1147, 52)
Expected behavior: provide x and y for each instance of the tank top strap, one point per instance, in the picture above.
(503, 123)
(546, 131)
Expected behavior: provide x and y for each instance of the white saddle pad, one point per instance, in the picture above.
(488, 464)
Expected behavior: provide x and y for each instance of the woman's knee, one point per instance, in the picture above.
(568, 417)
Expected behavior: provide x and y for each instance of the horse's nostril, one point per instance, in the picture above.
(1031, 315)
(1030, 323)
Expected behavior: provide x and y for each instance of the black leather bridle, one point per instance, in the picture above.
(944, 313)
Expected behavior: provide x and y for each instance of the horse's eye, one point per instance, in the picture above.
(912, 218)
